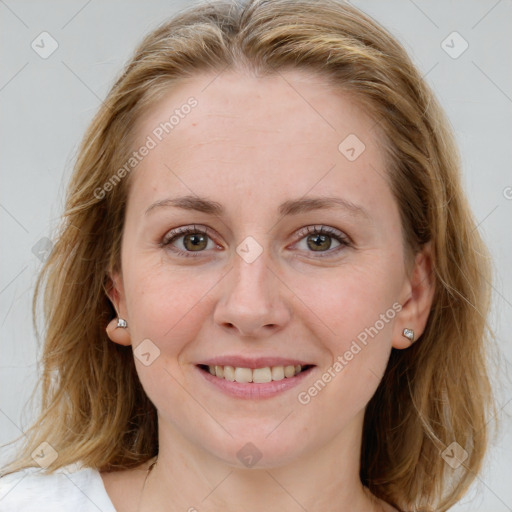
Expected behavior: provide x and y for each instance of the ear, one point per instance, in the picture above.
(115, 292)
(416, 299)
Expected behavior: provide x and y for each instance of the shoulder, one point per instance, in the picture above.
(72, 487)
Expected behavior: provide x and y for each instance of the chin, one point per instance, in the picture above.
(258, 450)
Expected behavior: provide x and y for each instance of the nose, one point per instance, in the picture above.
(253, 300)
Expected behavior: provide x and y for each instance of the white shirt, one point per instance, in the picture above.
(72, 488)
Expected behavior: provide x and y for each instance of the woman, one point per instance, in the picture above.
(268, 292)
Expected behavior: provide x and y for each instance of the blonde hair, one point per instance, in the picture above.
(94, 409)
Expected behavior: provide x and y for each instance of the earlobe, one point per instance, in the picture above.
(117, 329)
(420, 288)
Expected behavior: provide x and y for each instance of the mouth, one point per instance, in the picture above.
(253, 378)
(261, 375)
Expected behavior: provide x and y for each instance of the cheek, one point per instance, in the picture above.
(163, 303)
(357, 310)
(351, 299)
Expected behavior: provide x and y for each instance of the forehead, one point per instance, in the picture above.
(286, 133)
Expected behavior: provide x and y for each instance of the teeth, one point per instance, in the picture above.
(258, 375)
(278, 373)
(229, 373)
(289, 371)
(262, 375)
(243, 374)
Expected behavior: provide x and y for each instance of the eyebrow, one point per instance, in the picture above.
(290, 207)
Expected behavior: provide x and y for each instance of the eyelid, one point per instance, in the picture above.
(174, 234)
(184, 230)
(341, 236)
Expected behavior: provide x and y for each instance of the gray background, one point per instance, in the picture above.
(46, 105)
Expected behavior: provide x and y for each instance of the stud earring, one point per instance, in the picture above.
(121, 322)
(409, 334)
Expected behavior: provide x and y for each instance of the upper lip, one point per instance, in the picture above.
(252, 362)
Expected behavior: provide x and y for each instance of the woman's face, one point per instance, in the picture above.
(294, 257)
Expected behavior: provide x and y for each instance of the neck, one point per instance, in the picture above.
(325, 478)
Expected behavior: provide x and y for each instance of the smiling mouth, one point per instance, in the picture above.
(256, 375)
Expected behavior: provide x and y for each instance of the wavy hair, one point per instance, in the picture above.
(93, 407)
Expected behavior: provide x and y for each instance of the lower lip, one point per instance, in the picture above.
(252, 390)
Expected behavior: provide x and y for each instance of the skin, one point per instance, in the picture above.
(251, 144)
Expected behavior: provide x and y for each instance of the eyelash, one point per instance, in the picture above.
(302, 233)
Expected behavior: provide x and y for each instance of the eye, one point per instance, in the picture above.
(319, 239)
(189, 239)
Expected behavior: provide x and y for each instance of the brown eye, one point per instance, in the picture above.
(188, 241)
(319, 239)
(195, 241)
(319, 242)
